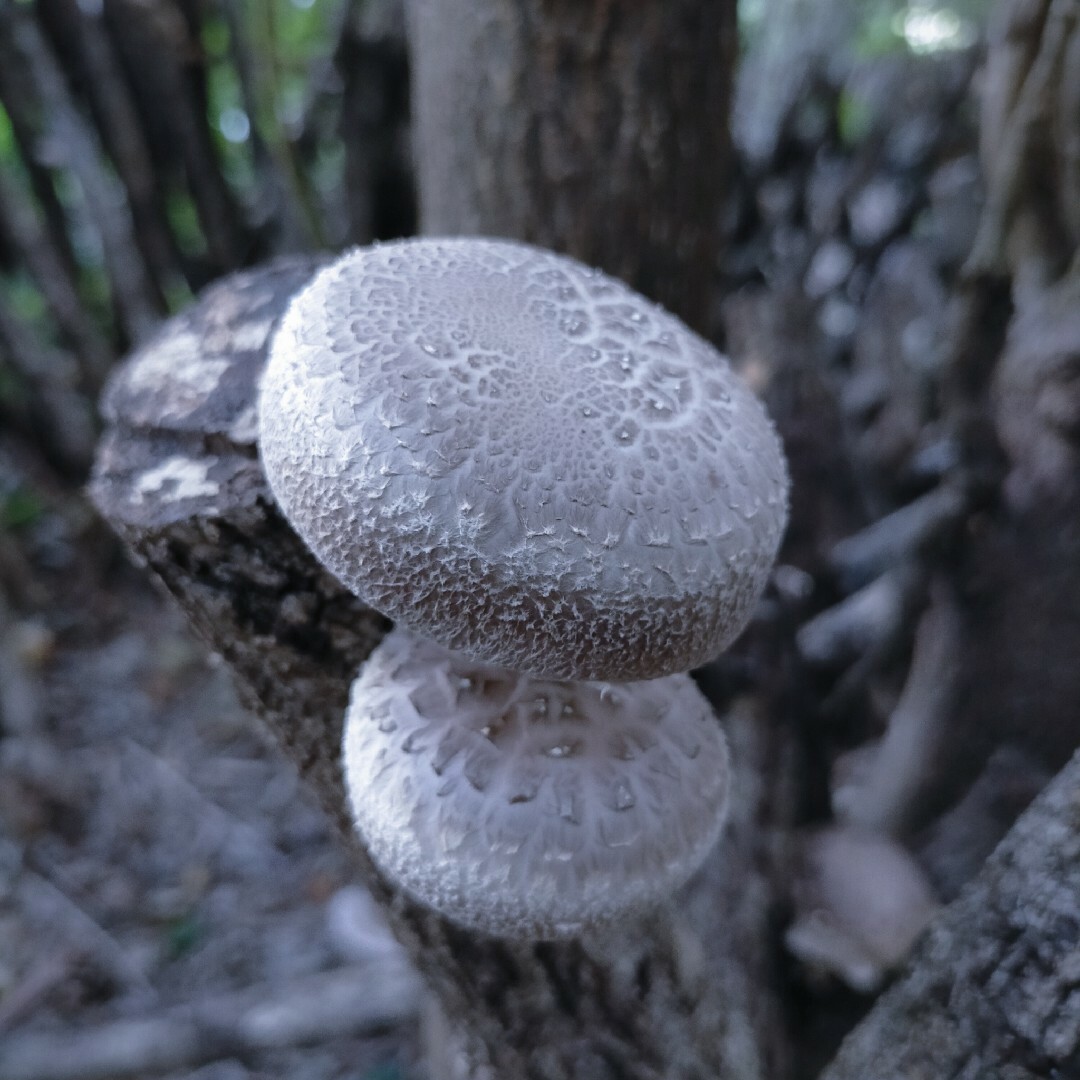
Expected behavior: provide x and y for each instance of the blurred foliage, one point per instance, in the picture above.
(854, 118)
(261, 108)
(272, 99)
(19, 508)
(12, 387)
(8, 156)
(24, 299)
(184, 222)
(260, 61)
(228, 118)
(881, 27)
(388, 1071)
(285, 39)
(183, 935)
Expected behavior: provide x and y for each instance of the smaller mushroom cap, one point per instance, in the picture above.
(527, 808)
(522, 459)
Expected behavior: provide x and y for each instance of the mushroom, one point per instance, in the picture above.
(522, 459)
(543, 477)
(530, 808)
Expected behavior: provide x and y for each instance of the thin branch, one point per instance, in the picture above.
(898, 537)
(295, 192)
(1010, 166)
(887, 798)
(123, 135)
(56, 416)
(54, 907)
(44, 976)
(23, 111)
(51, 274)
(179, 75)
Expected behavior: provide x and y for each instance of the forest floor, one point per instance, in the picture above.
(159, 860)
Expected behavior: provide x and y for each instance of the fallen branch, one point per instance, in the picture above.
(900, 536)
(892, 796)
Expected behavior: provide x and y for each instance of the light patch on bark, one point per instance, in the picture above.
(174, 479)
(247, 337)
(177, 361)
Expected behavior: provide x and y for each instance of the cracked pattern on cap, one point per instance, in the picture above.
(522, 459)
(528, 808)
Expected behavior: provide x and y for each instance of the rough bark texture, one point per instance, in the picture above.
(598, 129)
(682, 994)
(993, 988)
(179, 477)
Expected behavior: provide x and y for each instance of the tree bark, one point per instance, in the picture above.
(598, 129)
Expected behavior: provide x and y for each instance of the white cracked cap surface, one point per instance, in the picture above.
(528, 808)
(522, 459)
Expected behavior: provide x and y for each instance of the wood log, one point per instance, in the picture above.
(680, 993)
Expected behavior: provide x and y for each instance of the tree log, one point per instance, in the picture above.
(681, 993)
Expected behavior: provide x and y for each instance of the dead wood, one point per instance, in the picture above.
(685, 993)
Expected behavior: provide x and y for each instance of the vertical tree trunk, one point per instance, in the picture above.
(598, 128)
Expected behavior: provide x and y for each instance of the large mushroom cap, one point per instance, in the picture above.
(528, 808)
(522, 459)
